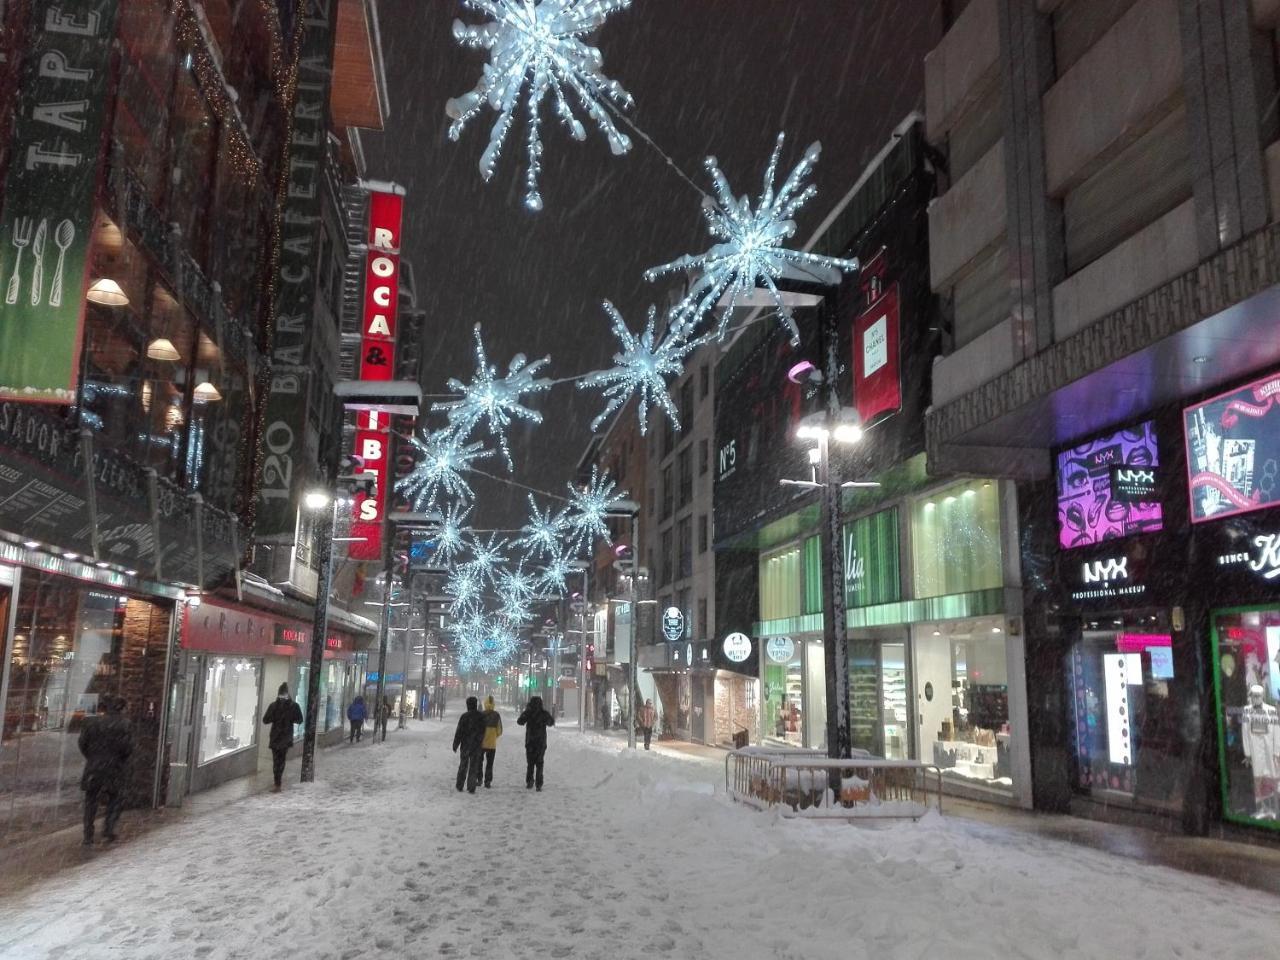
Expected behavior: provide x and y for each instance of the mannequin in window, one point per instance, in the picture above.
(1260, 738)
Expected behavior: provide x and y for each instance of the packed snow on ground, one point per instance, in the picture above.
(622, 856)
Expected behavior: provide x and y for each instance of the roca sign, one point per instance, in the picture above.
(737, 647)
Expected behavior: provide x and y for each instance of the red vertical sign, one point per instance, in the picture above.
(377, 362)
(877, 388)
(381, 287)
(372, 439)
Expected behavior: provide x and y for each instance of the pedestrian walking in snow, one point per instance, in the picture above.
(283, 715)
(440, 704)
(646, 719)
(468, 742)
(107, 743)
(381, 717)
(535, 721)
(492, 731)
(355, 715)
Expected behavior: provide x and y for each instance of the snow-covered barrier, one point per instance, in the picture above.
(801, 783)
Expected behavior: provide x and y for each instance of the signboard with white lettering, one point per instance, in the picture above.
(673, 624)
(49, 197)
(737, 647)
(381, 287)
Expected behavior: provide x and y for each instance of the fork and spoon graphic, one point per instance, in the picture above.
(21, 237)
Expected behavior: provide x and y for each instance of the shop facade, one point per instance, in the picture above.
(933, 626)
(230, 662)
(74, 636)
(1159, 575)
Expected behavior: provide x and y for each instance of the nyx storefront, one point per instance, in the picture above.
(1157, 583)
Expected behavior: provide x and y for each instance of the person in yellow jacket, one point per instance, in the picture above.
(492, 731)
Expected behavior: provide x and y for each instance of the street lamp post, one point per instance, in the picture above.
(631, 510)
(585, 570)
(327, 507)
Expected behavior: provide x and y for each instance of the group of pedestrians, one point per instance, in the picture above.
(476, 742)
(357, 713)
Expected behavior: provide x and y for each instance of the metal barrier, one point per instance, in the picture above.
(797, 784)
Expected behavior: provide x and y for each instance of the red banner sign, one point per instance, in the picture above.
(381, 287)
(877, 389)
(372, 441)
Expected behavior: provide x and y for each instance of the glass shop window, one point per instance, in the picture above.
(230, 720)
(214, 443)
(780, 587)
(955, 539)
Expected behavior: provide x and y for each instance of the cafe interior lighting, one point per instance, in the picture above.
(162, 348)
(106, 292)
(206, 392)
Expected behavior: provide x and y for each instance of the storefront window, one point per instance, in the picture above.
(871, 572)
(1247, 664)
(783, 690)
(1124, 709)
(70, 644)
(231, 697)
(780, 584)
(213, 447)
(961, 693)
(955, 539)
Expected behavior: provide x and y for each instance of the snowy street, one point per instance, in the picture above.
(621, 856)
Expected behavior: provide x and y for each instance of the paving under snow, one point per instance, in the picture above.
(622, 856)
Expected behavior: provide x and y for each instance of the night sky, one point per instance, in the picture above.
(710, 77)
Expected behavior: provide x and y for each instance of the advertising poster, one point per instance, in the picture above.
(1106, 488)
(1246, 647)
(48, 199)
(1233, 451)
(877, 390)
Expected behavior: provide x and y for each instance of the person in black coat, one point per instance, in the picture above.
(468, 741)
(535, 721)
(107, 743)
(282, 715)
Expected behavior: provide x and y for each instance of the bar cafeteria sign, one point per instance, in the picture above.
(48, 198)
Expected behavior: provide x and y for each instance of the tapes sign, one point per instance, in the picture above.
(48, 198)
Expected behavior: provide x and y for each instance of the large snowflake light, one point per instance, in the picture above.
(465, 588)
(538, 44)
(517, 589)
(752, 252)
(541, 535)
(552, 578)
(496, 400)
(487, 557)
(641, 367)
(588, 507)
(443, 459)
(449, 537)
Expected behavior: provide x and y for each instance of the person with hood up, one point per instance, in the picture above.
(492, 731)
(468, 741)
(356, 714)
(282, 715)
(380, 718)
(646, 720)
(535, 720)
(107, 743)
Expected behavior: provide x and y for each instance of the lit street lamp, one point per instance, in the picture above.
(631, 509)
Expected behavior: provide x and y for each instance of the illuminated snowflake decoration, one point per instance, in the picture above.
(497, 401)
(552, 578)
(641, 368)
(487, 558)
(450, 538)
(542, 534)
(465, 588)
(442, 462)
(538, 44)
(588, 508)
(517, 590)
(752, 252)
(484, 643)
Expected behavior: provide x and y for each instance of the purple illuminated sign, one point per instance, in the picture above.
(1101, 485)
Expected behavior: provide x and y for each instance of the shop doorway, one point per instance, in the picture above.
(880, 711)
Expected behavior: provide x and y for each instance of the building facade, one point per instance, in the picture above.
(1107, 249)
(140, 220)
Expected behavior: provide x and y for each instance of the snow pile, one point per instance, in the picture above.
(623, 855)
